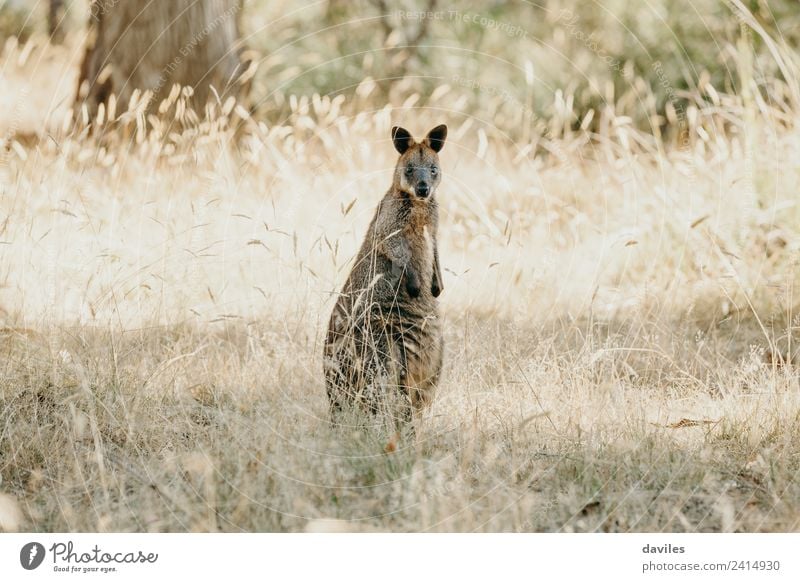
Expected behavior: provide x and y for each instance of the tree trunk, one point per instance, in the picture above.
(55, 17)
(152, 44)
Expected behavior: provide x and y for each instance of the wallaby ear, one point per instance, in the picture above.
(435, 138)
(402, 139)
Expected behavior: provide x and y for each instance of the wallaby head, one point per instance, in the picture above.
(417, 173)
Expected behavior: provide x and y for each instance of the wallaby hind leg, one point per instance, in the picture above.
(404, 410)
(334, 385)
(422, 394)
(404, 414)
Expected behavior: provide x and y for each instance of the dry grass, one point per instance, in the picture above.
(617, 320)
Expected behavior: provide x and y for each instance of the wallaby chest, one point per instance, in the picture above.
(418, 231)
(417, 225)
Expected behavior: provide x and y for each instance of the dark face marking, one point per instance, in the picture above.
(418, 173)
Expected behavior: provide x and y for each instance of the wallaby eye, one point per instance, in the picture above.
(434, 170)
(409, 170)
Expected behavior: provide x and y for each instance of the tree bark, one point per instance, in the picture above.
(55, 17)
(152, 44)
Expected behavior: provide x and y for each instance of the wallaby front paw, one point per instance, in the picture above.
(436, 290)
(412, 284)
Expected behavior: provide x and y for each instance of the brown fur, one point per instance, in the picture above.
(384, 345)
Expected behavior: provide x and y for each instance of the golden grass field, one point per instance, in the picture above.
(618, 314)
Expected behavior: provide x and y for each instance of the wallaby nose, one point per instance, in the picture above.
(422, 190)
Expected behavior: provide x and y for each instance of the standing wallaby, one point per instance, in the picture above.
(384, 347)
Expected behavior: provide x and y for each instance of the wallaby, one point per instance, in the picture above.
(384, 347)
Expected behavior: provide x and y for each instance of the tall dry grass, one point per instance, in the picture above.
(619, 314)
